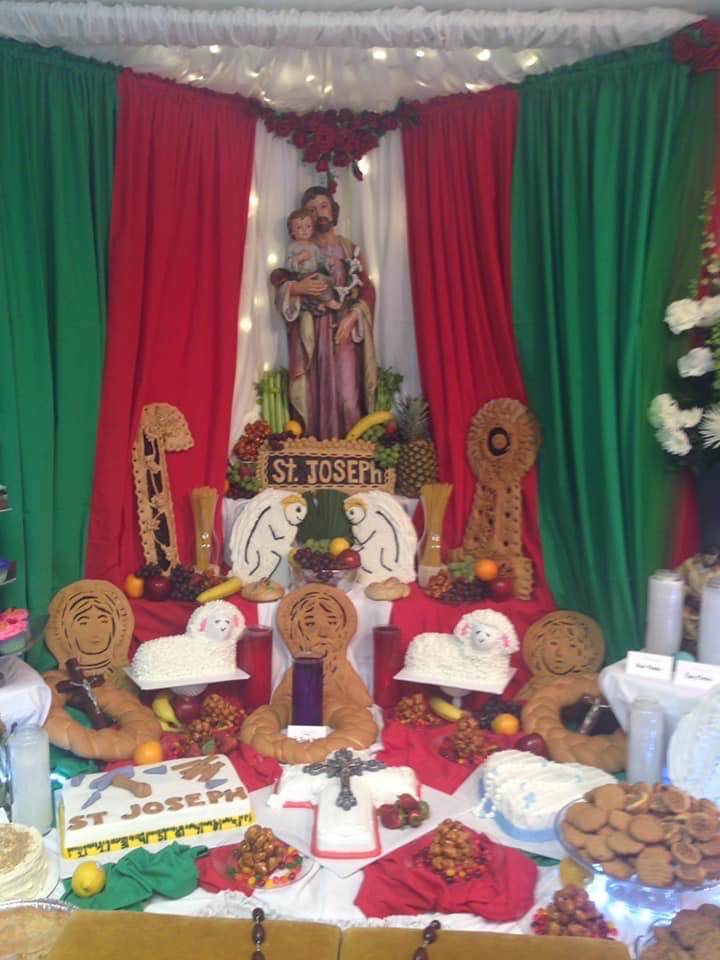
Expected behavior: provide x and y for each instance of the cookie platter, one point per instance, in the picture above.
(650, 843)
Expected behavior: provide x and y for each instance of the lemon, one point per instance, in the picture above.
(292, 426)
(573, 875)
(88, 879)
(337, 546)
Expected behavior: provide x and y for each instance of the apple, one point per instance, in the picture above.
(532, 743)
(187, 709)
(157, 588)
(501, 588)
(350, 559)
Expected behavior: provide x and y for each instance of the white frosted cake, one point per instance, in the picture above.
(476, 653)
(526, 792)
(206, 649)
(338, 832)
(23, 862)
(151, 803)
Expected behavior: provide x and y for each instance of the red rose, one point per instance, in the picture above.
(322, 165)
(341, 159)
(283, 127)
(299, 139)
(357, 122)
(389, 123)
(330, 116)
(312, 121)
(372, 118)
(345, 116)
(312, 153)
(266, 114)
(357, 172)
(270, 124)
(292, 118)
(332, 186)
(325, 140)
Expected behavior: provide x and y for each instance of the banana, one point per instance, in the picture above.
(380, 416)
(445, 709)
(168, 727)
(224, 589)
(162, 708)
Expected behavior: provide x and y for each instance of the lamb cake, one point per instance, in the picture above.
(152, 803)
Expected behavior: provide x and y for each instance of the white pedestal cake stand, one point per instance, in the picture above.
(456, 692)
(188, 689)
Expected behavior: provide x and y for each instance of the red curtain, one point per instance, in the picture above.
(458, 175)
(183, 172)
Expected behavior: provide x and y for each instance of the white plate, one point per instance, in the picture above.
(186, 681)
(477, 687)
(53, 877)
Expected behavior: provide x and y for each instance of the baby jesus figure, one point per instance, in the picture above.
(305, 257)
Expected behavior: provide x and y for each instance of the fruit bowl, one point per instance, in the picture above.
(342, 579)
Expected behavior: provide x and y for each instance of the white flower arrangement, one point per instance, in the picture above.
(689, 425)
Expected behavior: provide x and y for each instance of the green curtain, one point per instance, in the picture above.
(599, 205)
(57, 127)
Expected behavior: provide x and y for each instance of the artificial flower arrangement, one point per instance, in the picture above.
(687, 425)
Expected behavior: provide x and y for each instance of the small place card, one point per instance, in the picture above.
(702, 676)
(653, 665)
(307, 733)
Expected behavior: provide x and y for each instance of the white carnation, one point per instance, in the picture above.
(696, 363)
(683, 315)
(709, 311)
(710, 426)
(674, 441)
(663, 412)
(689, 418)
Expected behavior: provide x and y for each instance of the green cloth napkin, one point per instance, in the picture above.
(139, 874)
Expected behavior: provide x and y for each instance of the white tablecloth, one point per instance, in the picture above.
(621, 688)
(24, 695)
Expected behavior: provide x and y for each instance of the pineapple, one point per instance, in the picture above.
(418, 458)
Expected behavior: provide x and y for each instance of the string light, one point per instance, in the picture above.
(266, 366)
(214, 48)
(476, 87)
(419, 54)
(310, 77)
(364, 165)
(483, 54)
(272, 260)
(246, 324)
(421, 83)
(253, 203)
(253, 73)
(328, 88)
(528, 60)
(379, 53)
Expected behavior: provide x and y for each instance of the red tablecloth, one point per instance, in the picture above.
(396, 885)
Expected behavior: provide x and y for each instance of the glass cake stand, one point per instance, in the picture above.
(664, 901)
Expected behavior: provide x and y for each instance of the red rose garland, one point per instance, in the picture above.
(336, 138)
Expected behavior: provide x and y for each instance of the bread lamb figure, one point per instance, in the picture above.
(207, 646)
(264, 533)
(487, 632)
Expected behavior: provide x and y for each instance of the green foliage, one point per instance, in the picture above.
(325, 518)
(389, 382)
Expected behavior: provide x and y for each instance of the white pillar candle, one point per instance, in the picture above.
(30, 772)
(666, 594)
(709, 634)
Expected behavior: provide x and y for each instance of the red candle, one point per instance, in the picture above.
(254, 655)
(388, 659)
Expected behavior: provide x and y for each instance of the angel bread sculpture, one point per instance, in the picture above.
(386, 540)
(264, 533)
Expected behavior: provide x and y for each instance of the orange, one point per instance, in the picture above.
(506, 724)
(486, 569)
(226, 486)
(134, 586)
(149, 752)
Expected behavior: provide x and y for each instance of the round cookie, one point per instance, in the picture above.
(623, 844)
(701, 826)
(692, 875)
(646, 829)
(711, 848)
(586, 817)
(618, 869)
(597, 849)
(653, 869)
(576, 838)
(619, 819)
(611, 796)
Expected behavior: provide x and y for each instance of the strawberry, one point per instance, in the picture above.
(407, 802)
(392, 819)
(423, 809)
(415, 818)
(386, 810)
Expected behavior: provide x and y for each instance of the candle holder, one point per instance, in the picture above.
(388, 659)
(709, 632)
(307, 691)
(665, 600)
(254, 656)
(29, 749)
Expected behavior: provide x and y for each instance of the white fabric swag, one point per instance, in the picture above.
(372, 213)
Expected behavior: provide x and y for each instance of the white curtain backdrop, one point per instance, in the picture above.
(372, 213)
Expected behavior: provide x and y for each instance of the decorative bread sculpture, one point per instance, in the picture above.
(162, 428)
(91, 621)
(321, 621)
(383, 535)
(502, 445)
(563, 643)
(137, 723)
(264, 533)
(542, 714)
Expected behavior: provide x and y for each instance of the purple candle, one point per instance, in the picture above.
(307, 691)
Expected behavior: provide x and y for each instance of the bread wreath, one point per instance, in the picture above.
(541, 714)
(137, 723)
(353, 727)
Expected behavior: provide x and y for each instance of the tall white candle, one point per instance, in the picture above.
(709, 634)
(30, 771)
(663, 630)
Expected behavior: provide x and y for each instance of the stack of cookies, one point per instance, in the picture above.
(692, 935)
(656, 834)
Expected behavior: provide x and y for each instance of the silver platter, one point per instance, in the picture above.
(50, 906)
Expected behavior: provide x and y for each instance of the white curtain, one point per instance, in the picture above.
(372, 213)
